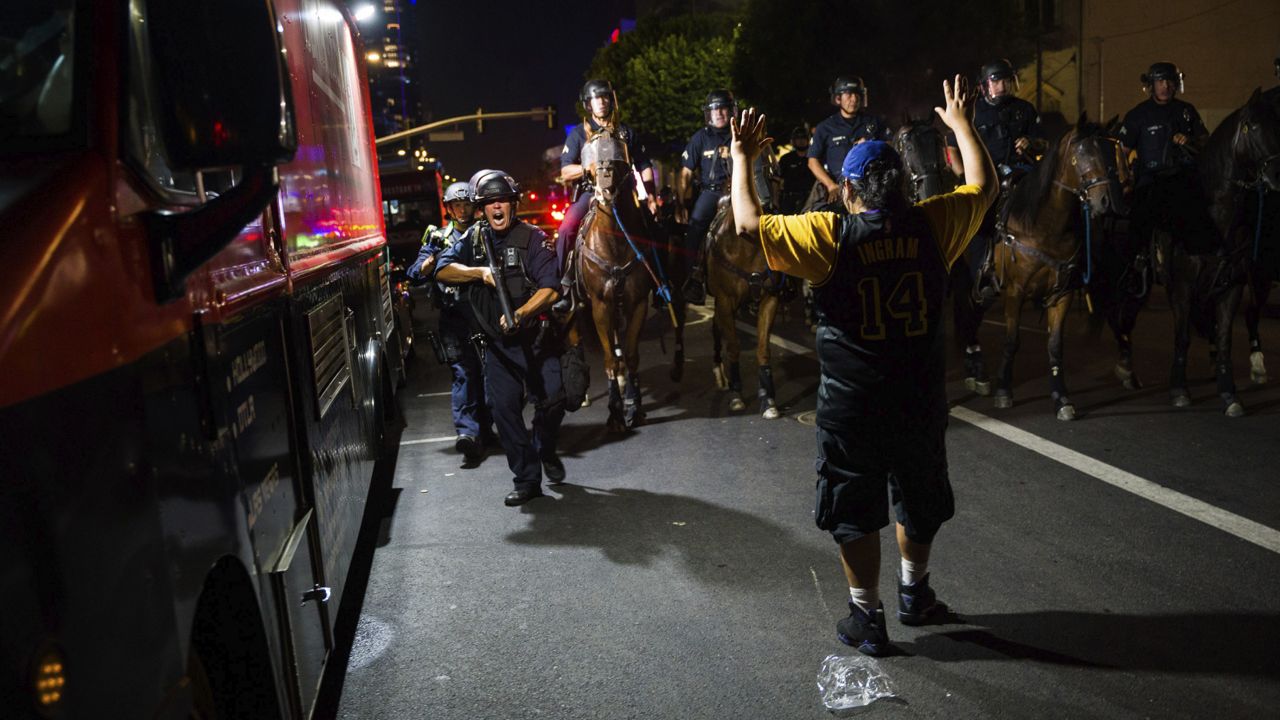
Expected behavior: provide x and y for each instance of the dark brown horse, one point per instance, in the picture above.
(736, 271)
(1241, 156)
(616, 273)
(1041, 253)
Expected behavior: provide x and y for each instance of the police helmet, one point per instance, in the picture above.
(997, 70)
(718, 99)
(488, 185)
(457, 191)
(849, 84)
(1162, 71)
(799, 133)
(595, 89)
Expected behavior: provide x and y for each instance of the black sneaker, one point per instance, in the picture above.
(553, 468)
(471, 449)
(865, 632)
(917, 603)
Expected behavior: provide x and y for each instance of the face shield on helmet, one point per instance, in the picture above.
(716, 100)
(1162, 71)
(489, 185)
(598, 89)
(998, 70)
(852, 84)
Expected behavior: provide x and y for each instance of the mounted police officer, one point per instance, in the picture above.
(521, 356)
(707, 154)
(1166, 133)
(600, 103)
(1008, 126)
(849, 125)
(470, 411)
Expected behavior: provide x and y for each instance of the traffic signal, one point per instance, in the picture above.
(479, 120)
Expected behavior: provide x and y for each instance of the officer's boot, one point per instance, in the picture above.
(562, 307)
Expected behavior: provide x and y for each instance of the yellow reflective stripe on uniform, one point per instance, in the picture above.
(955, 218)
(800, 245)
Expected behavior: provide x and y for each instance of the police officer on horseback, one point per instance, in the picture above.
(507, 264)
(470, 411)
(797, 181)
(708, 154)
(1008, 126)
(850, 124)
(1166, 133)
(600, 103)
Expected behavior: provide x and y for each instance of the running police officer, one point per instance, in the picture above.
(850, 124)
(521, 356)
(600, 103)
(708, 154)
(879, 274)
(470, 411)
(1166, 132)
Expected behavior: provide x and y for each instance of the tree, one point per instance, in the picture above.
(663, 71)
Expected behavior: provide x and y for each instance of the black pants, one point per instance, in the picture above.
(515, 372)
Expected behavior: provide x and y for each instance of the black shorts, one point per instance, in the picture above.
(860, 469)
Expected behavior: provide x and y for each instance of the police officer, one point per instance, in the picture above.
(797, 181)
(521, 358)
(850, 124)
(708, 154)
(1165, 132)
(470, 412)
(1008, 126)
(600, 104)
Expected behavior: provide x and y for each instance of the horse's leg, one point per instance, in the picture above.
(632, 412)
(677, 361)
(968, 313)
(726, 305)
(602, 316)
(1259, 289)
(1012, 313)
(1178, 289)
(1057, 316)
(1225, 306)
(764, 326)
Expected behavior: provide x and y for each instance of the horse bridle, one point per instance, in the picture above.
(1087, 170)
(1262, 178)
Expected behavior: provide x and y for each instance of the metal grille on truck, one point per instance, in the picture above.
(388, 316)
(330, 359)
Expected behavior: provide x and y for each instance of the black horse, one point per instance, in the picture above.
(1205, 286)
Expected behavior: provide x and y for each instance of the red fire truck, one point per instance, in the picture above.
(196, 352)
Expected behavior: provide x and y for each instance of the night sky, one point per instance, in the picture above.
(507, 55)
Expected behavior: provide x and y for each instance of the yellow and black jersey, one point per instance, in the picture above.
(879, 282)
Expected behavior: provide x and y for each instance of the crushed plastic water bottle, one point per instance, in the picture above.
(850, 681)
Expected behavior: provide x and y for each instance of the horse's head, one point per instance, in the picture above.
(1091, 167)
(1256, 146)
(605, 160)
(924, 157)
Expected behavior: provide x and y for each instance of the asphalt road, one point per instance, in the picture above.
(1126, 564)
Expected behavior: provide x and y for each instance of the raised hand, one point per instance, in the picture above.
(749, 136)
(958, 103)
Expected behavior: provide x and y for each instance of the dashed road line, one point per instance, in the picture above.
(436, 394)
(1242, 527)
(423, 441)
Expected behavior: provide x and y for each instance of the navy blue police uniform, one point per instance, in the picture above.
(1167, 194)
(833, 137)
(467, 402)
(524, 364)
(707, 154)
(571, 154)
(797, 181)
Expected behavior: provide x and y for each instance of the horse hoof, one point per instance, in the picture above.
(1128, 378)
(586, 400)
(1004, 401)
(1235, 409)
(635, 420)
(1257, 369)
(1181, 399)
(771, 413)
(677, 374)
(1067, 413)
(722, 382)
(615, 425)
(980, 387)
(736, 405)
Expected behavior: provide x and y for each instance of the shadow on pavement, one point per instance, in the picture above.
(637, 527)
(1241, 644)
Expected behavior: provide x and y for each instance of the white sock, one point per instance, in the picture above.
(913, 572)
(867, 599)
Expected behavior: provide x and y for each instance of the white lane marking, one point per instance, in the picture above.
(818, 586)
(423, 441)
(439, 394)
(1241, 527)
(999, 324)
(783, 343)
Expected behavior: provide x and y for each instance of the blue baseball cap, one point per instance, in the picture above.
(865, 153)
